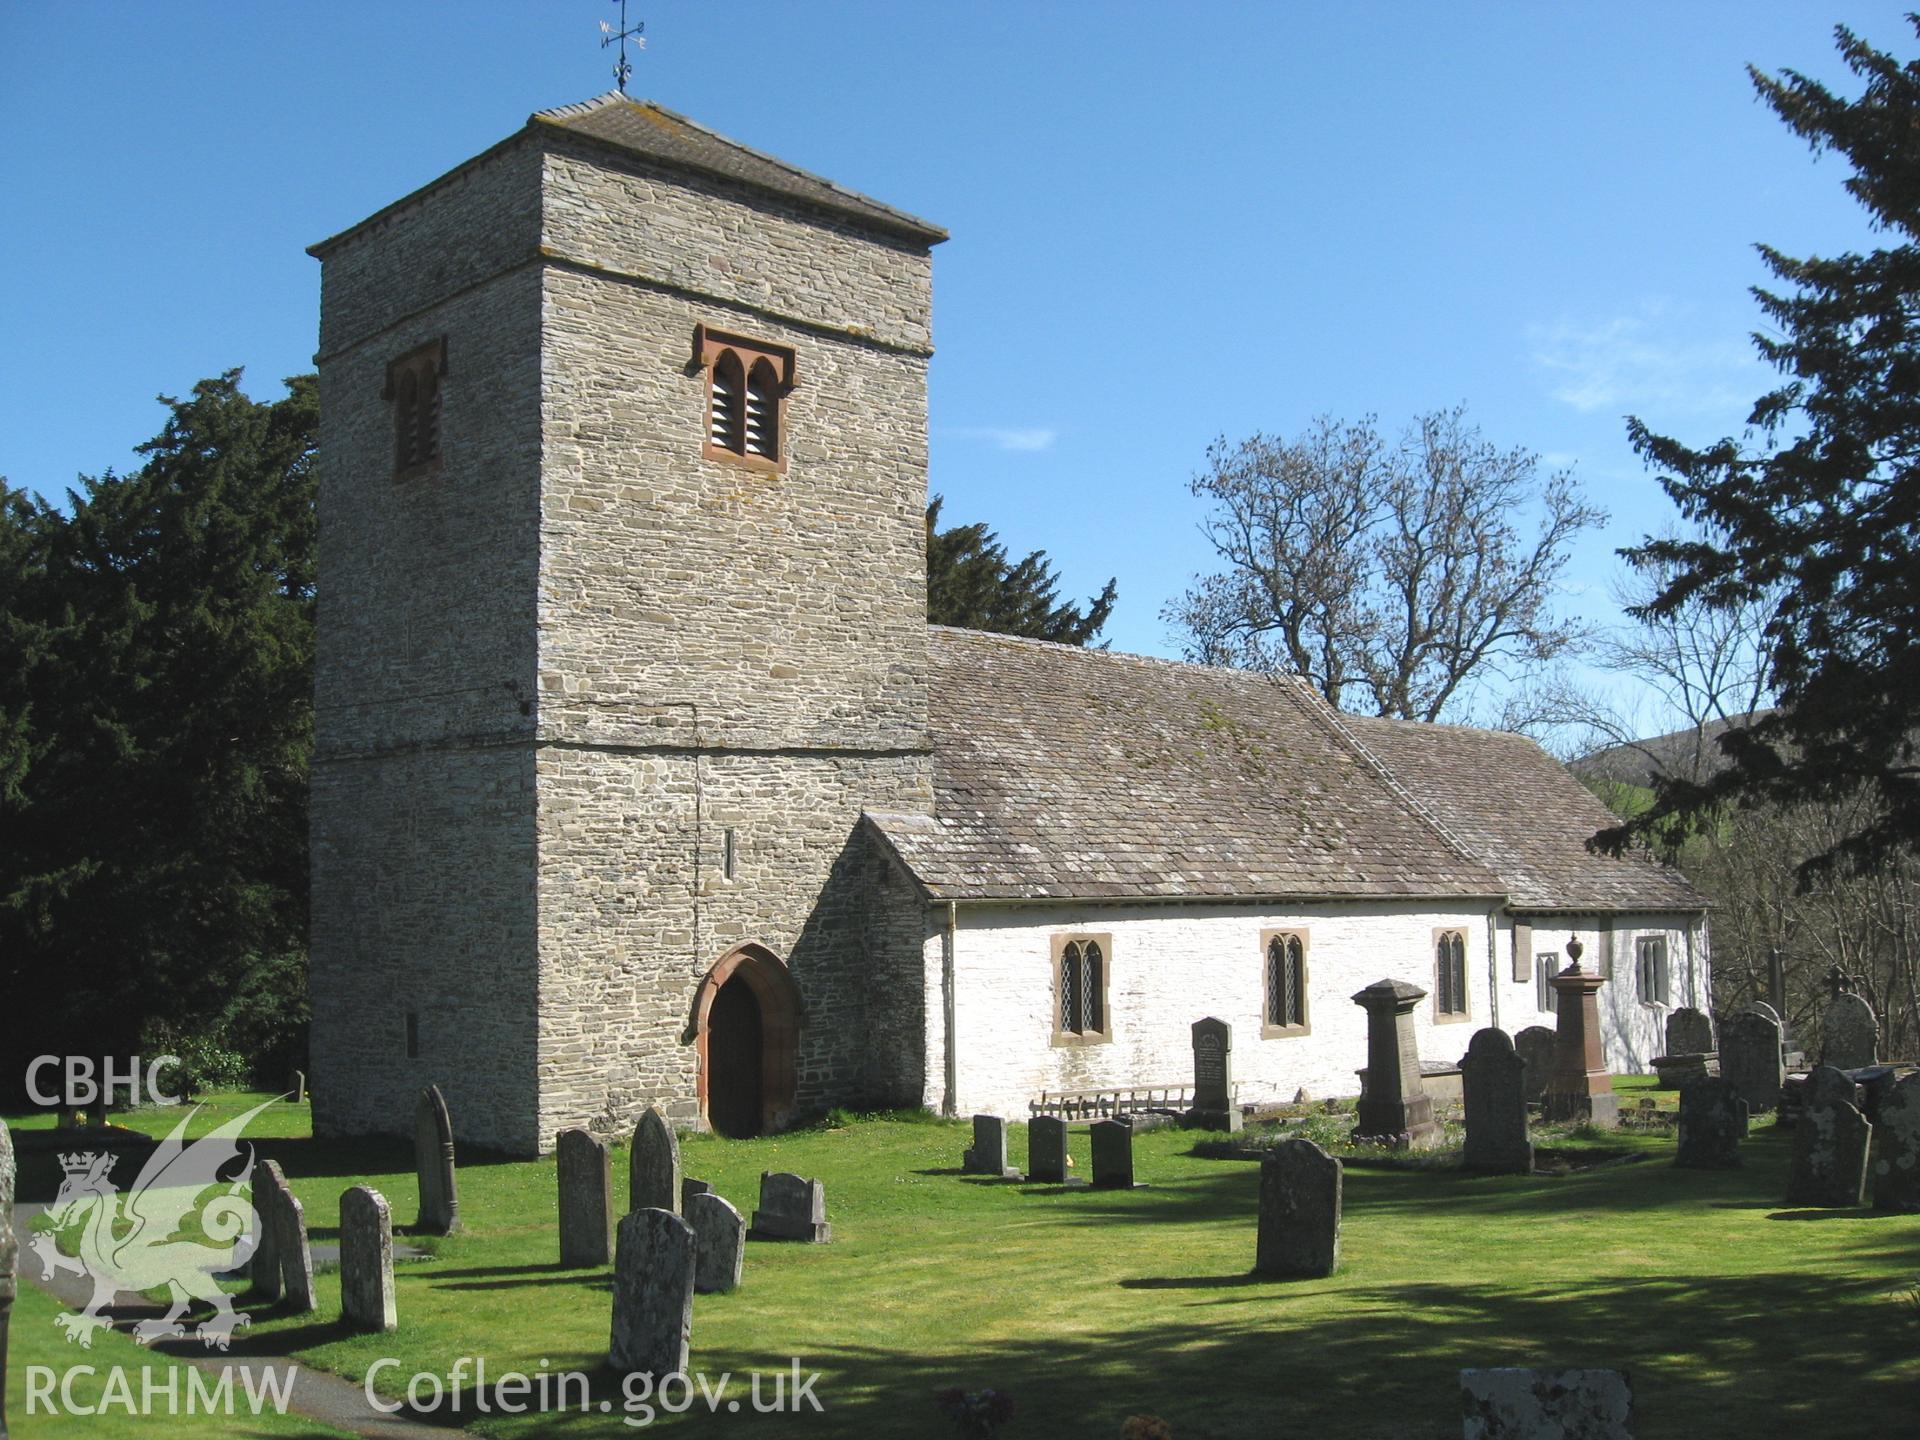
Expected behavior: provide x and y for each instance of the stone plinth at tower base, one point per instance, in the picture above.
(1396, 1110)
(1518, 1404)
(1579, 1088)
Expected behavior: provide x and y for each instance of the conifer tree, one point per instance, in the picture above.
(971, 584)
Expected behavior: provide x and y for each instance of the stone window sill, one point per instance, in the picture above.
(1067, 1039)
(1284, 1032)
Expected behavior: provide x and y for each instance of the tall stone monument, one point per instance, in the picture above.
(1396, 1109)
(433, 1160)
(1213, 1107)
(1579, 1088)
(1493, 1078)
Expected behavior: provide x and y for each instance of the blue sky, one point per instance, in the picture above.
(1169, 222)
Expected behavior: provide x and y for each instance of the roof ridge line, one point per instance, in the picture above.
(1329, 716)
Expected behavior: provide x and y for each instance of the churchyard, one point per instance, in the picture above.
(1733, 1311)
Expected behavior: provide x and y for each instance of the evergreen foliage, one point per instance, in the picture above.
(971, 584)
(1823, 514)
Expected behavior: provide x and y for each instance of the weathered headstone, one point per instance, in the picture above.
(297, 1087)
(653, 1164)
(1535, 1045)
(433, 1160)
(689, 1187)
(988, 1153)
(1825, 1084)
(1299, 1211)
(586, 1199)
(9, 1259)
(1849, 1035)
(1047, 1151)
(366, 1260)
(1579, 1088)
(282, 1264)
(1396, 1109)
(1517, 1404)
(791, 1209)
(1492, 1075)
(1112, 1154)
(1750, 1060)
(1896, 1168)
(1689, 1032)
(652, 1294)
(719, 1243)
(263, 1267)
(1213, 1107)
(1829, 1167)
(1713, 1122)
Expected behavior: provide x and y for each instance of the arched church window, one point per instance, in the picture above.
(747, 386)
(1286, 963)
(1450, 975)
(1080, 1012)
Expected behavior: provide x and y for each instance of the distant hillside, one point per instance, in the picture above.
(1637, 762)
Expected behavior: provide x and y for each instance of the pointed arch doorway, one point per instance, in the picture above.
(747, 1028)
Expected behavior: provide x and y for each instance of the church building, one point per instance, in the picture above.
(641, 778)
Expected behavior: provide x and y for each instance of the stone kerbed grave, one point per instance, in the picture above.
(653, 1268)
(1299, 1234)
(1113, 1155)
(1496, 1104)
(1830, 1147)
(791, 1208)
(1510, 1403)
(433, 1161)
(1396, 1109)
(584, 1172)
(1896, 1165)
(1047, 1152)
(1713, 1122)
(1213, 1105)
(719, 1243)
(988, 1153)
(653, 1164)
(366, 1260)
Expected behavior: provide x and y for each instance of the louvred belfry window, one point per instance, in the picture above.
(413, 389)
(1080, 988)
(747, 386)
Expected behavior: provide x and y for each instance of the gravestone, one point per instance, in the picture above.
(1829, 1168)
(1713, 1122)
(1112, 1155)
(653, 1164)
(282, 1263)
(9, 1259)
(1689, 1032)
(366, 1260)
(1762, 1008)
(689, 1188)
(1299, 1211)
(1534, 1045)
(1750, 1060)
(1213, 1107)
(791, 1209)
(433, 1160)
(652, 1294)
(586, 1199)
(1493, 1077)
(297, 1087)
(1849, 1035)
(1824, 1085)
(1396, 1109)
(1896, 1168)
(988, 1153)
(1579, 1087)
(263, 1266)
(1047, 1151)
(719, 1243)
(1517, 1404)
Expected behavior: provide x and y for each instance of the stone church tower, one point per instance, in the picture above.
(622, 625)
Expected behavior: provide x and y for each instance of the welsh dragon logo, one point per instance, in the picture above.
(138, 1241)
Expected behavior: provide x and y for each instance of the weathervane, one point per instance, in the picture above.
(636, 31)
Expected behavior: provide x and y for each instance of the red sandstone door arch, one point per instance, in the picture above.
(747, 1032)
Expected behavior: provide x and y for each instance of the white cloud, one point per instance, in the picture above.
(1003, 437)
(1645, 361)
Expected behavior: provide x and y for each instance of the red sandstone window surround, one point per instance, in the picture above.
(747, 386)
(1080, 1012)
(1285, 955)
(413, 388)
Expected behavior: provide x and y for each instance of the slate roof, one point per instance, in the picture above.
(1519, 810)
(644, 128)
(1063, 772)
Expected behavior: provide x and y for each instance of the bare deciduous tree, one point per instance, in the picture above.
(1392, 576)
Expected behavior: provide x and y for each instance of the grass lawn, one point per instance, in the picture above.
(1735, 1315)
